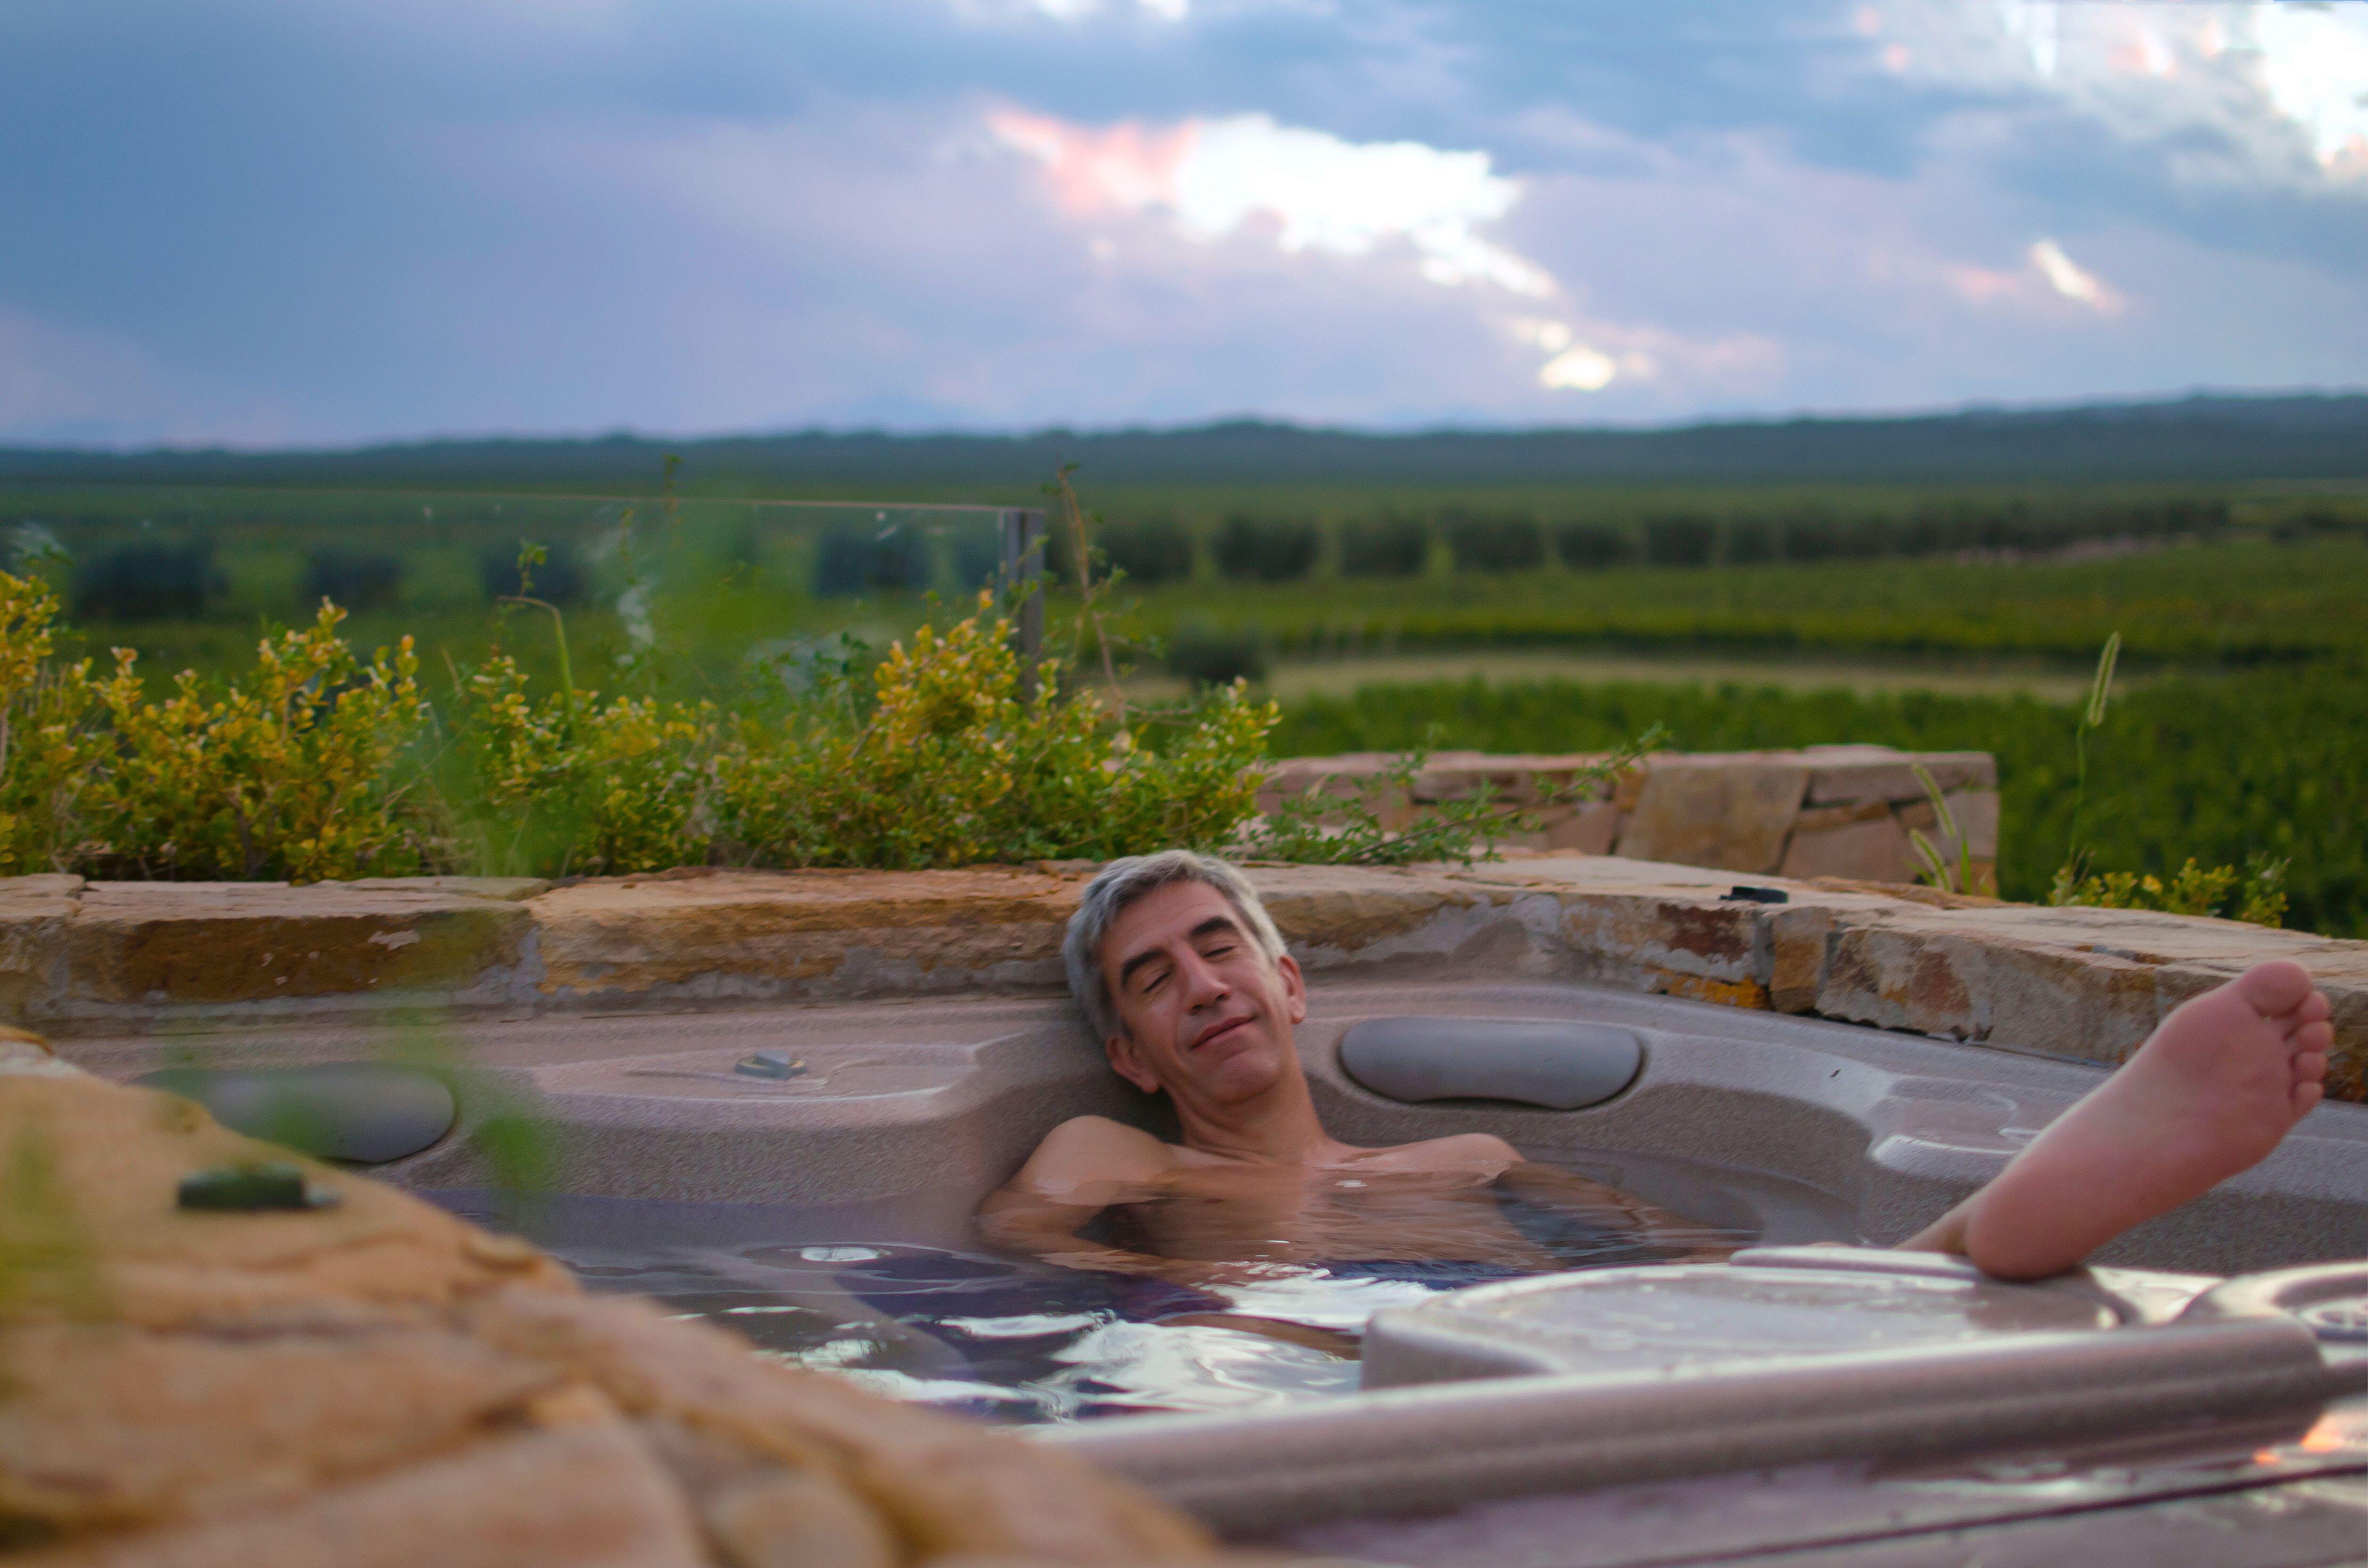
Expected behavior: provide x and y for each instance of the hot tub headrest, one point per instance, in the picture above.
(1558, 1065)
(369, 1112)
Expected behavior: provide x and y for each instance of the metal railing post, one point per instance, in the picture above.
(1023, 562)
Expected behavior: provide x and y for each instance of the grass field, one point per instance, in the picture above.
(2230, 602)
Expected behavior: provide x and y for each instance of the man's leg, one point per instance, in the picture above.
(2209, 1094)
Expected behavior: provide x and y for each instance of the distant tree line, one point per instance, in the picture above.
(169, 578)
(1284, 547)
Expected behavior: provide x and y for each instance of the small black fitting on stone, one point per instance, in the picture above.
(247, 1189)
(769, 1064)
(1755, 896)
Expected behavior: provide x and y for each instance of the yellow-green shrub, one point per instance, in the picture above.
(2259, 897)
(956, 764)
(49, 753)
(287, 773)
(941, 755)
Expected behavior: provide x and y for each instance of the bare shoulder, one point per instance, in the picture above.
(1481, 1153)
(1092, 1151)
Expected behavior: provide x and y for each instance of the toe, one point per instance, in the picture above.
(2306, 1097)
(2310, 1067)
(2275, 988)
(2313, 1008)
(2319, 1037)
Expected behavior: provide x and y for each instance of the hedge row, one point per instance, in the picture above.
(1249, 548)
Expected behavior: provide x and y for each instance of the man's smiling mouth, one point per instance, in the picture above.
(1225, 1029)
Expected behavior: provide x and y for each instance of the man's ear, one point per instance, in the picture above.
(1294, 987)
(1128, 1063)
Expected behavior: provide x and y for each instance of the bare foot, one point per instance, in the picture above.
(2210, 1094)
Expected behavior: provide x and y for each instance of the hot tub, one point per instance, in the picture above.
(2146, 1396)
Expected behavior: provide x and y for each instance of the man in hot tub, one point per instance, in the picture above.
(1183, 978)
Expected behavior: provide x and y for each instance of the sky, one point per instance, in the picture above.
(268, 223)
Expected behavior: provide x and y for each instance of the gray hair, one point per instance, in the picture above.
(1120, 884)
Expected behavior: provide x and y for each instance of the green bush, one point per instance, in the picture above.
(1385, 547)
(1267, 550)
(148, 581)
(289, 771)
(352, 579)
(1814, 534)
(2237, 769)
(1749, 540)
(1586, 546)
(1155, 550)
(937, 756)
(1493, 541)
(315, 765)
(1681, 538)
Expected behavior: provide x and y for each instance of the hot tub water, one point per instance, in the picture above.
(949, 1320)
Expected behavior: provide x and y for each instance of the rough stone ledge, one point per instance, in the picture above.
(377, 1384)
(2087, 983)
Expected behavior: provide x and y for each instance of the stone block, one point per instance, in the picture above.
(505, 889)
(1730, 812)
(1672, 938)
(1878, 773)
(1864, 843)
(34, 912)
(1976, 815)
(1589, 828)
(789, 933)
(222, 942)
(1330, 914)
(1798, 937)
(587, 1495)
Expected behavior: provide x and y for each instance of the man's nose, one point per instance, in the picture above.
(1202, 985)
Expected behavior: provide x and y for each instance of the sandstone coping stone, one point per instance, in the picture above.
(774, 933)
(138, 942)
(1851, 773)
(2085, 983)
(34, 913)
(382, 1383)
(2079, 983)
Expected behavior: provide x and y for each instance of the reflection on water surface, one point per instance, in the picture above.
(1016, 1339)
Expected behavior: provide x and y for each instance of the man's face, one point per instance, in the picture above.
(1204, 1014)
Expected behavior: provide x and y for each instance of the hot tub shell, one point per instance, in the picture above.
(922, 1107)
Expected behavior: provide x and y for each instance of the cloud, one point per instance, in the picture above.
(2314, 63)
(2231, 93)
(1069, 10)
(2071, 280)
(1312, 190)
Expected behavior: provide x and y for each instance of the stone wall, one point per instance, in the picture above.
(2089, 983)
(1824, 811)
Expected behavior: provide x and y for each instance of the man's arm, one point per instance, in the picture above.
(1083, 1166)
